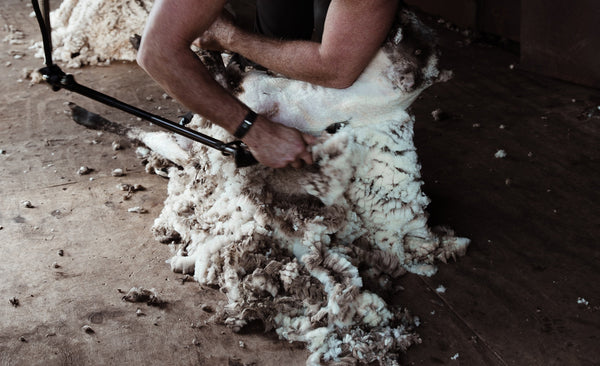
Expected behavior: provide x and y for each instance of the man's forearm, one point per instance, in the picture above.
(301, 60)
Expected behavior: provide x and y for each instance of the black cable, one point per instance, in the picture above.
(44, 22)
(48, 26)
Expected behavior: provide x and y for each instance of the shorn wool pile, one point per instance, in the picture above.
(309, 252)
(92, 32)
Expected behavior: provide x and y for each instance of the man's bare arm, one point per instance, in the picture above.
(354, 31)
(165, 54)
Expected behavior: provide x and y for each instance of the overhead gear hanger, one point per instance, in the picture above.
(60, 80)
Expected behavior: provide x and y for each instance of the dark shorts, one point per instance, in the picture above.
(291, 19)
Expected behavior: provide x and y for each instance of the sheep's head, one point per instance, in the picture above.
(412, 49)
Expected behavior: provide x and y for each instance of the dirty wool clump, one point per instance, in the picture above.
(310, 252)
(93, 32)
(148, 296)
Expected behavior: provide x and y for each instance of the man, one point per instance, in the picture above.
(353, 32)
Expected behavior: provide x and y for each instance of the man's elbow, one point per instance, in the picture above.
(151, 57)
(341, 82)
(144, 57)
(341, 79)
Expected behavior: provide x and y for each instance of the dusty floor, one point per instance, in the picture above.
(525, 294)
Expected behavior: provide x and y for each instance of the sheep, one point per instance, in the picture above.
(310, 252)
(296, 249)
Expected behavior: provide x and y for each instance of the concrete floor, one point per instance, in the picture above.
(525, 294)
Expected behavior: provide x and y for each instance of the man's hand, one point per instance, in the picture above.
(278, 146)
(217, 37)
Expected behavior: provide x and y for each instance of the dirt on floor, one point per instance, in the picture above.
(525, 294)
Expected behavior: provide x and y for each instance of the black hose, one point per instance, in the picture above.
(44, 22)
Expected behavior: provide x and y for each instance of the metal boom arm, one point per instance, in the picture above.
(59, 80)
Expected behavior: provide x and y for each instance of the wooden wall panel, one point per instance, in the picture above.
(460, 12)
(500, 17)
(562, 39)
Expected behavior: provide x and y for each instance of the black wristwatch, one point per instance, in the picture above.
(244, 127)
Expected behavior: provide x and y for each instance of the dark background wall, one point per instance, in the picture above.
(557, 38)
